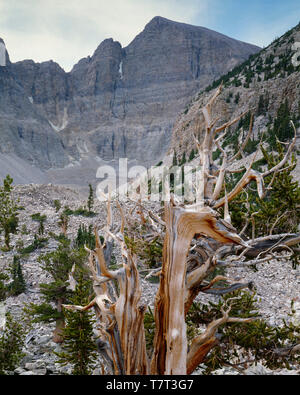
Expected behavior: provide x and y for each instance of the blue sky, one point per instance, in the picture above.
(66, 31)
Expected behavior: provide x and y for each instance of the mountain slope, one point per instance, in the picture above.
(263, 84)
(119, 102)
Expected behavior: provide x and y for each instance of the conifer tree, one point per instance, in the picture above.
(85, 237)
(11, 344)
(90, 201)
(41, 220)
(3, 287)
(282, 129)
(276, 215)
(58, 264)
(79, 348)
(273, 214)
(18, 284)
(8, 211)
(175, 161)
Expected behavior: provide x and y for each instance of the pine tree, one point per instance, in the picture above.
(175, 162)
(85, 237)
(58, 264)
(11, 344)
(90, 201)
(41, 220)
(275, 214)
(3, 288)
(183, 159)
(8, 211)
(79, 348)
(192, 155)
(282, 128)
(18, 285)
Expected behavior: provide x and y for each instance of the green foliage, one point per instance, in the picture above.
(79, 348)
(43, 312)
(3, 287)
(150, 253)
(90, 201)
(175, 161)
(149, 325)
(11, 344)
(58, 264)
(57, 205)
(263, 105)
(237, 98)
(85, 236)
(278, 212)
(38, 243)
(192, 155)
(282, 128)
(8, 211)
(41, 220)
(183, 159)
(257, 337)
(81, 211)
(18, 285)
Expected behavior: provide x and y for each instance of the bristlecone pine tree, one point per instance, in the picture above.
(196, 242)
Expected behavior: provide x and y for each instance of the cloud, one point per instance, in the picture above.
(67, 31)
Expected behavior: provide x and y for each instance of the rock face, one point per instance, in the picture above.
(120, 102)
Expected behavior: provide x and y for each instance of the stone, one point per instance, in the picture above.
(257, 370)
(19, 371)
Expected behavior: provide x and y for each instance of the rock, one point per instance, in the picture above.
(225, 372)
(39, 365)
(258, 370)
(116, 103)
(27, 373)
(19, 371)
(43, 340)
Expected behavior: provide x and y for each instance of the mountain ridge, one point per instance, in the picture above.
(116, 103)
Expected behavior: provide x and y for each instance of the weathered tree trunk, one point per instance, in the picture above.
(59, 324)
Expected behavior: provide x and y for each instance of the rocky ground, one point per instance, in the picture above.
(277, 283)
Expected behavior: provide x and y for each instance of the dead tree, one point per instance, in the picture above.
(196, 241)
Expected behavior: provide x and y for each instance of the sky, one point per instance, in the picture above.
(66, 31)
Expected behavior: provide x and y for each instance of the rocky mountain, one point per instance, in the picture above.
(119, 102)
(267, 85)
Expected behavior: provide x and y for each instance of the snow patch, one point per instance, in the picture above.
(30, 98)
(64, 123)
(2, 55)
(121, 70)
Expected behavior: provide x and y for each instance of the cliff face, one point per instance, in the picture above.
(120, 102)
